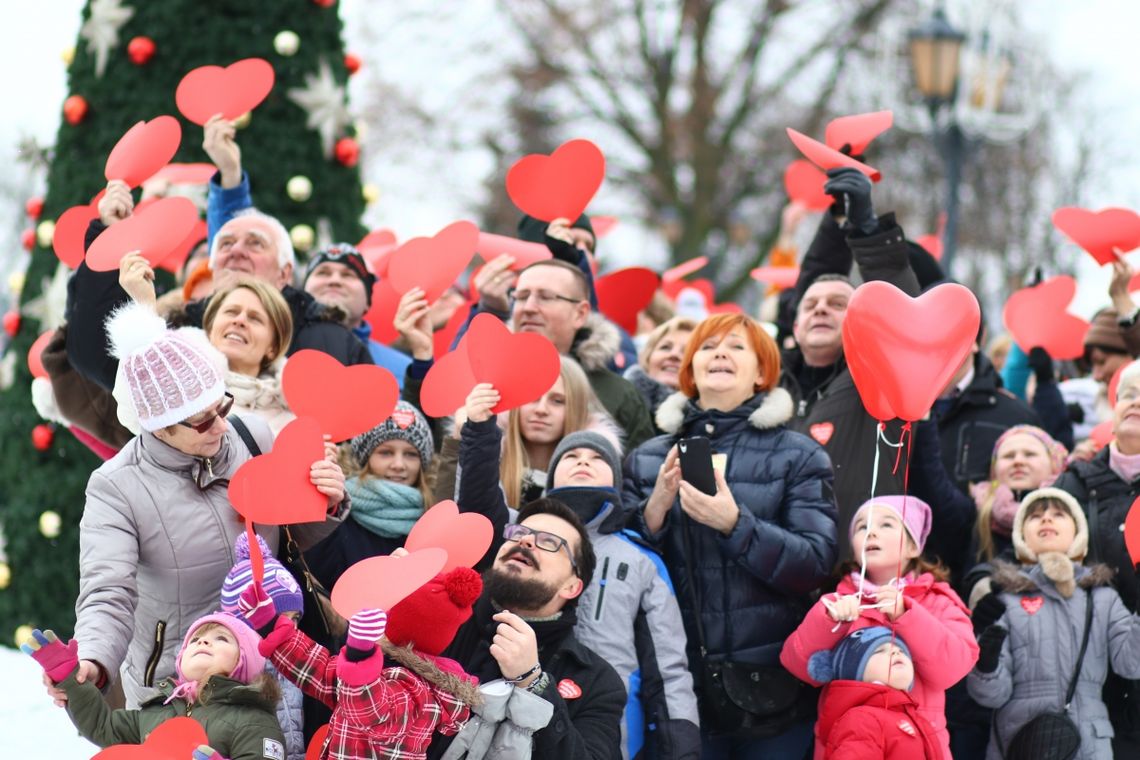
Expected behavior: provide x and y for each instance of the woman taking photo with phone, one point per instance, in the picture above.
(745, 559)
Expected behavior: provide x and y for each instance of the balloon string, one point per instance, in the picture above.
(908, 436)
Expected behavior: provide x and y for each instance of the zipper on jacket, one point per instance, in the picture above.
(155, 654)
(601, 589)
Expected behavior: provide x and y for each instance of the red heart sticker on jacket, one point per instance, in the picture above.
(1032, 603)
(496, 354)
(568, 689)
(803, 182)
(1037, 316)
(433, 263)
(464, 536)
(381, 582)
(822, 432)
(907, 728)
(154, 231)
(345, 401)
(230, 91)
(1101, 233)
(274, 488)
(828, 158)
(560, 185)
(622, 294)
(143, 150)
(857, 130)
(174, 739)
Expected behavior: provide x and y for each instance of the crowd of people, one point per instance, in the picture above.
(704, 545)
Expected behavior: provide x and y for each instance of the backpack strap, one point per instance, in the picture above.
(246, 436)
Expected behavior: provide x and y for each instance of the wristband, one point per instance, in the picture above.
(539, 684)
(537, 667)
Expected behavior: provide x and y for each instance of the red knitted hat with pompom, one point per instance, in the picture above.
(429, 617)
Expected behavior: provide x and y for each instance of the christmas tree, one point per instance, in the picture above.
(127, 63)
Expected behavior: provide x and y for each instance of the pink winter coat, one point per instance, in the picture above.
(936, 627)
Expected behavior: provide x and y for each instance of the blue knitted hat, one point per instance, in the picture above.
(849, 658)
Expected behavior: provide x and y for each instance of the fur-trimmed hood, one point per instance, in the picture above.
(596, 343)
(1022, 579)
(773, 410)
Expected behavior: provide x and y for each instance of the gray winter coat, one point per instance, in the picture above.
(155, 543)
(1038, 656)
(502, 726)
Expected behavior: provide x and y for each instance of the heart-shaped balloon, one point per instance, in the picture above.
(173, 739)
(828, 158)
(1037, 316)
(346, 401)
(803, 182)
(154, 231)
(622, 294)
(274, 488)
(1101, 233)
(186, 174)
(490, 247)
(496, 356)
(912, 346)
(434, 263)
(560, 185)
(448, 382)
(442, 339)
(857, 131)
(777, 277)
(465, 537)
(381, 315)
(70, 231)
(230, 91)
(685, 268)
(381, 582)
(143, 150)
(866, 382)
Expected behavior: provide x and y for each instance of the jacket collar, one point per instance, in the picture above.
(598, 508)
(203, 471)
(596, 343)
(220, 690)
(1025, 579)
(764, 411)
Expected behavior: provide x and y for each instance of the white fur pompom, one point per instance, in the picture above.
(133, 327)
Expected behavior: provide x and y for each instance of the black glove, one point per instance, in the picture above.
(1041, 364)
(852, 192)
(989, 648)
(1076, 412)
(562, 250)
(987, 611)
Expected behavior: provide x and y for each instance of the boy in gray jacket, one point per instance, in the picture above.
(1027, 657)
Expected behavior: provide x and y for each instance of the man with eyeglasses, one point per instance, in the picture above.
(522, 630)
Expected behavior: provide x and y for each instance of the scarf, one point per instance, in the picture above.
(1004, 504)
(387, 509)
(262, 392)
(1127, 466)
(872, 589)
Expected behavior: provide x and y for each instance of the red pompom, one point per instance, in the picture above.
(347, 151)
(140, 50)
(12, 323)
(75, 109)
(352, 63)
(34, 207)
(463, 586)
(42, 437)
(28, 239)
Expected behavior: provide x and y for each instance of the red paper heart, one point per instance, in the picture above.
(345, 401)
(381, 315)
(685, 268)
(803, 183)
(154, 231)
(828, 158)
(1132, 533)
(274, 488)
(674, 288)
(1114, 383)
(186, 174)
(376, 247)
(70, 230)
(560, 185)
(1101, 233)
(822, 432)
(777, 277)
(36, 354)
(465, 537)
(1102, 435)
(143, 150)
(857, 130)
(448, 382)
(911, 346)
(317, 743)
(177, 258)
(603, 225)
(1037, 316)
(433, 263)
(622, 294)
(230, 91)
(497, 356)
(933, 245)
(1032, 603)
(174, 739)
(381, 582)
(441, 340)
(490, 247)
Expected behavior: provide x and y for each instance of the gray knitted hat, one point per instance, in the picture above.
(407, 424)
(586, 439)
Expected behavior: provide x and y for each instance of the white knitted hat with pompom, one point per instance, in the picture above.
(169, 375)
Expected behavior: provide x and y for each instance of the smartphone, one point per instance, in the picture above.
(697, 463)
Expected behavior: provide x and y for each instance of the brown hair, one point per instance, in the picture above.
(719, 325)
(276, 308)
(919, 565)
(580, 281)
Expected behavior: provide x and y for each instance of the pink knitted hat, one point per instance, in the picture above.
(916, 520)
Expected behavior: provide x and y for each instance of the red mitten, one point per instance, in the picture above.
(56, 658)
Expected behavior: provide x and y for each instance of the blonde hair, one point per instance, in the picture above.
(580, 403)
(354, 469)
(276, 308)
(687, 324)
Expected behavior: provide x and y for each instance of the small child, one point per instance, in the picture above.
(888, 534)
(866, 711)
(220, 684)
(1028, 656)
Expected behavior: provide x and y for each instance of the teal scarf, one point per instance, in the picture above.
(385, 508)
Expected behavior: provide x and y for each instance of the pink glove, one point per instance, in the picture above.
(256, 606)
(365, 628)
(56, 658)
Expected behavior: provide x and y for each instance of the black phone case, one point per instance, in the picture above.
(696, 463)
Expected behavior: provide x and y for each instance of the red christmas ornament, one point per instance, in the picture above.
(42, 436)
(12, 323)
(347, 151)
(352, 63)
(34, 207)
(140, 50)
(324, 3)
(75, 109)
(28, 239)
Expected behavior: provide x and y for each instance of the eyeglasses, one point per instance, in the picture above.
(544, 297)
(548, 542)
(222, 410)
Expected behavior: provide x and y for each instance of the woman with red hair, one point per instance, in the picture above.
(747, 559)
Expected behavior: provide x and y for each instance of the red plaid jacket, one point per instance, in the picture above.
(378, 712)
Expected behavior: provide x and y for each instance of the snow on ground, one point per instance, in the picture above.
(30, 724)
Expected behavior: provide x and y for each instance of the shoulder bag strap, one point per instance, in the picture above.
(1084, 647)
(686, 538)
(246, 436)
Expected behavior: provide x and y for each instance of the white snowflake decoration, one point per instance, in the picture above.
(48, 307)
(101, 30)
(324, 102)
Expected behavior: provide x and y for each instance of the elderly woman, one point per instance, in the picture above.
(746, 560)
(659, 361)
(157, 532)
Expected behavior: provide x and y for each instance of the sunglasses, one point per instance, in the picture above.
(221, 411)
(548, 542)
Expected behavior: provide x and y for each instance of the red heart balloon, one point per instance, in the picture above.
(174, 739)
(1101, 233)
(496, 354)
(828, 158)
(685, 268)
(70, 230)
(857, 130)
(448, 382)
(381, 315)
(346, 401)
(560, 185)
(867, 383)
(381, 582)
(777, 277)
(1037, 316)
(155, 231)
(441, 340)
(36, 353)
(433, 263)
(274, 488)
(525, 253)
(622, 294)
(143, 150)
(230, 91)
(186, 174)
(465, 537)
(1132, 533)
(912, 346)
(804, 183)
